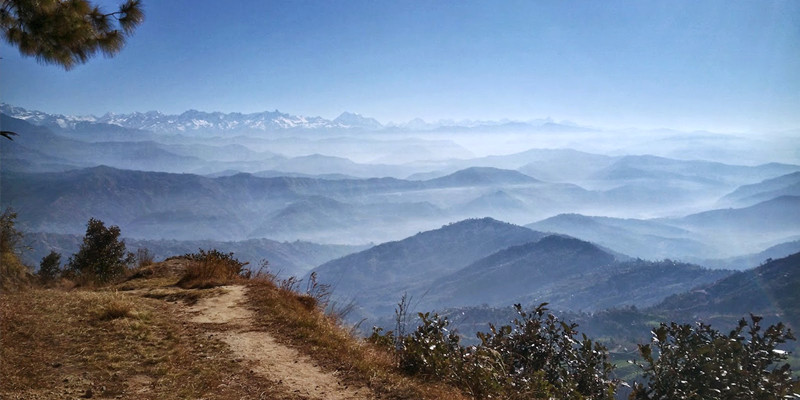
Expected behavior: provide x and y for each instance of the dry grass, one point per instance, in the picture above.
(13, 274)
(209, 273)
(114, 307)
(56, 344)
(286, 315)
(128, 341)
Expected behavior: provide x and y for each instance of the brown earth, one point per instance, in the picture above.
(228, 315)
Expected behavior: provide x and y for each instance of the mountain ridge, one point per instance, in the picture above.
(264, 121)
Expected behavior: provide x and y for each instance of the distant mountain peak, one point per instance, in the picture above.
(217, 122)
(356, 120)
(197, 121)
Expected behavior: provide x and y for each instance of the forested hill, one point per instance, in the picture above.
(771, 289)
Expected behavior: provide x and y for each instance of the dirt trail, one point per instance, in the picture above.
(272, 360)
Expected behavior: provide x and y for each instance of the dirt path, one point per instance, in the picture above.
(272, 360)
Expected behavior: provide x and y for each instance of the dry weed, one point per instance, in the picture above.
(286, 314)
(58, 344)
(209, 273)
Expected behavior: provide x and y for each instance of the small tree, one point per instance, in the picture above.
(698, 362)
(10, 236)
(102, 256)
(50, 267)
(13, 274)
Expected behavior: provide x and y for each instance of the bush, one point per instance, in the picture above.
(50, 267)
(212, 268)
(698, 362)
(144, 257)
(431, 349)
(102, 257)
(538, 341)
(535, 357)
(13, 274)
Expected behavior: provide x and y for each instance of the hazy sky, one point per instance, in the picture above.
(717, 65)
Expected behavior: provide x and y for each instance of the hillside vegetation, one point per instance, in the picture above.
(203, 325)
(140, 338)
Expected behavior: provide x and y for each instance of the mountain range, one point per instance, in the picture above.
(655, 207)
(218, 123)
(376, 278)
(466, 216)
(484, 261)
(768, 290)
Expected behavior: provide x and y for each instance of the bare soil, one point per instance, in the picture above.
(228, 316)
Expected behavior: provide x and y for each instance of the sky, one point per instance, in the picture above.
(692, 65)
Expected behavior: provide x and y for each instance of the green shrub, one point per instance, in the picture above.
(537, 356)
(539, 342)
(431, 349)
(698, 362)
(13, 273)
(50, 267)
(102, 257)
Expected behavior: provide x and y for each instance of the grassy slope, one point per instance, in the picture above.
(58, 344)
(294, 321)
(132, 343)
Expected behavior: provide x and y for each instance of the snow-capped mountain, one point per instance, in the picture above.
(41, 118)
(198, 121)
(218, 123)
(355, 120)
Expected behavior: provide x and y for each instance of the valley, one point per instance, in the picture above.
(592, 222)
(399, 200)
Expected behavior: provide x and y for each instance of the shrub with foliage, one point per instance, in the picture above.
(537, 356)
(698, 362)
(13, 273)
(10, 237)
(102, 257)
(431, 350)
(50, 267)
(212, 268)
(539, 341)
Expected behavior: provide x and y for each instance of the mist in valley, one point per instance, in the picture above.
(627, 165)
(639, 193)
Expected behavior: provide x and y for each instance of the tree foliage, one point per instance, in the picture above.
(539, 341)
(50, 267)
(698, 362)
(537, 356)
(102, 257)
(13, 274)
(67, 32)
(10, 236)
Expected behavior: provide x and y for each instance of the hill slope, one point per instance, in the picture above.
(784, 185)
(770, 290)
(512, 274)
(637, 238)
(567, 273)
(482, 176)
(382, 273)
(248, 339)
